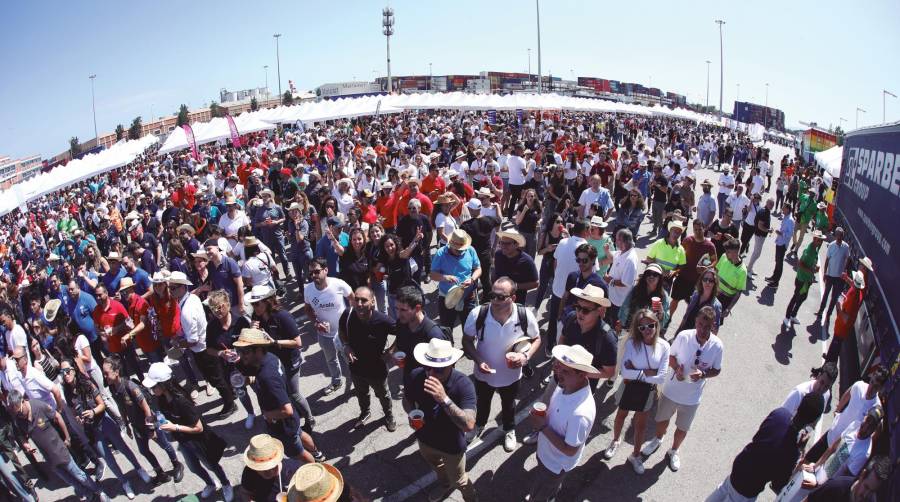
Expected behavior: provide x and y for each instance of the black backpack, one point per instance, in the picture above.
(482, 319)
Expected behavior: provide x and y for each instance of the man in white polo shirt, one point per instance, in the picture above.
(491, 338)
(726, 188)
(326, 299)
(622, 274)
(517, 173)
(695, 357)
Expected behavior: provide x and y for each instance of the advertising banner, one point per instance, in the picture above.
(868, 203)
(492, 116)
(192, 142)
(235, 136)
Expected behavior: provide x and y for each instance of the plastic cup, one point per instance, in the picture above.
(656, 302)
(400, 359)
(281, 497)
(233, 357)
(539, 409)
(416, 419)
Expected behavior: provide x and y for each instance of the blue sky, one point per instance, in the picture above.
(822, 59)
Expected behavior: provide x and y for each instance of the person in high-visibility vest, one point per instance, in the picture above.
(732, 276)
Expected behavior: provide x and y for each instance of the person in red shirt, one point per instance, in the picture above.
(462, 190)
(433, 185)
(411, 191)
(848, 309)
(164, 310)
(604, 168)
(112, 321)
(185, 195)
(138, 309)
(385, 205)
(368, 211)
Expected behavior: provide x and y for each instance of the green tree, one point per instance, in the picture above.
(134, 132)
(215, 110)
(183, 117)
(120, 132)
(840, 135)
(254, 105)
(74, 146)
(287, 99)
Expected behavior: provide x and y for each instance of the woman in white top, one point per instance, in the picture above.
(644, 366)
(444, 222)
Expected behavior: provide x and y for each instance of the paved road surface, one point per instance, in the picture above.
(761, 365)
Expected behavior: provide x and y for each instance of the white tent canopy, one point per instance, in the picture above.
(214, 130)
(77, 170)
(830, 160)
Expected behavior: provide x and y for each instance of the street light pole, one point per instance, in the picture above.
(707, 83)
(530, 80)
(884, 94)
(278, 62)
(266, 69)
(94, 107)
(767, 94)
(738, 93)
(430, 76)
(721, 65)
(537, 6)
(387, 28)
(858, 109)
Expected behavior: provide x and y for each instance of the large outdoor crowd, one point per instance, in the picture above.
(127, 295)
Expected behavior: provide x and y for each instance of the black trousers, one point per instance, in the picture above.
(834, 286)
(515, 191)
(746, 234)
(362, 384)
(779, 262)
(213, 372)
(801, 291)
(484, 394)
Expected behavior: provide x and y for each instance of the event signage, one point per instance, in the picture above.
(492, 116)
(235, 136)
(189, 135)
(868, 202)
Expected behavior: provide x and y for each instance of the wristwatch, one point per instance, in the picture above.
(447, 401)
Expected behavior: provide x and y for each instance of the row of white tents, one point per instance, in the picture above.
(118, 155)
(830, 161)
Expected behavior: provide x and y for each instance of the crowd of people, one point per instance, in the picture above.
(127, 295)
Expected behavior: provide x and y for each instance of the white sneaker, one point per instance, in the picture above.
(650, 446)
(207, 491)
(195, 394)
(674, 460)
(610, 451)
(144, 476)
(248, 422)
(228, 493)
(509, 441)
(129, 492)
(636, 463)
(794, 320)
(786, 322)
(209, 390)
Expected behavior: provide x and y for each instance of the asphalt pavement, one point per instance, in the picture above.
(761, 364)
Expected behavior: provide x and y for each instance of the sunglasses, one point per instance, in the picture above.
(584, 310)
(709, 280)
(651, 275)
(644, 328)
(66, 371)
(697, 357)
(583, 260)
(500, 297)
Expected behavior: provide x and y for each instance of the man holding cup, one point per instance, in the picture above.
(441, 403)
(489, 338)
(326, 299)
(564, 425)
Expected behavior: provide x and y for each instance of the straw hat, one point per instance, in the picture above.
(125, 283)
(295, 206)
(818, 235)
(591, 293)
(51, 309)
(186, 228)
(867, 262)
(179, 278)
(114, 257)
(267, 191)
(446, 198)
(132, 215)
(706, 183)
(520, 345)
(437, 353)
(514, 235)
(260, 292)
(459, 240)
(250, 337)
(230, 199)
(454, 295)
(263, 453)
(201, 254)
(250, 241)
(859, 280)
(675, 224)
(576, 357)
(160, 277)
(316, 483)
(484, 192)
(597, 221)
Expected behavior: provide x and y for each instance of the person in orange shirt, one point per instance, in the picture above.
(380, 149)
(848, 309)
(462, 190)
(433, 185)
(411, 191)
(385, 205)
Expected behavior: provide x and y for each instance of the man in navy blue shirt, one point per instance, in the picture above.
(80, 309)
(446, 399)
(224, 273)
(586, 258)
(115, 274)
(510, 261)
(772, 454)
(140, 276)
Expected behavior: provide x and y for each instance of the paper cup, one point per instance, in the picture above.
(416, 419)
(656, 303)
(400, 359)
(539, 409)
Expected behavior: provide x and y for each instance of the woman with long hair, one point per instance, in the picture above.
(221, 332)
(554, 231)
(200, 447)
(705, 294)
(630, 212)
(101, 428)
(528, 215)
(354, 262)
(649, 285)
(444, 222)
(178, 258)
(376, 274)
(397, 270)
(644, 365)
(556, 191)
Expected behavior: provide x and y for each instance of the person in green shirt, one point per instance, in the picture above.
(807, 267)
(822, 223)
(601, 241)
(732, 276)
(668, 254)
(806, 211)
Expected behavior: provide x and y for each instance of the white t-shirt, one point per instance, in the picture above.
(684, 349)
(193, 322)
(517, 172)
(38, 386)
(724, 181)
(328, 303)
(758, 183)
(855, 411)
(792, 402)
(737, 205)
(230, 226)
(17, 338)
(572, 417)
(855, 450)
(445, 222)
(624, 268)
(496, 342)
(565, 263)
(258, 269)
(80, 343)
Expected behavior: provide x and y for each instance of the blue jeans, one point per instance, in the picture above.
(162, 439)
(331, 357)
(12, 481)
(546, 281)
(108, 431)
(193, 459)
(297, 397)
(379, 290)
(72, 475)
